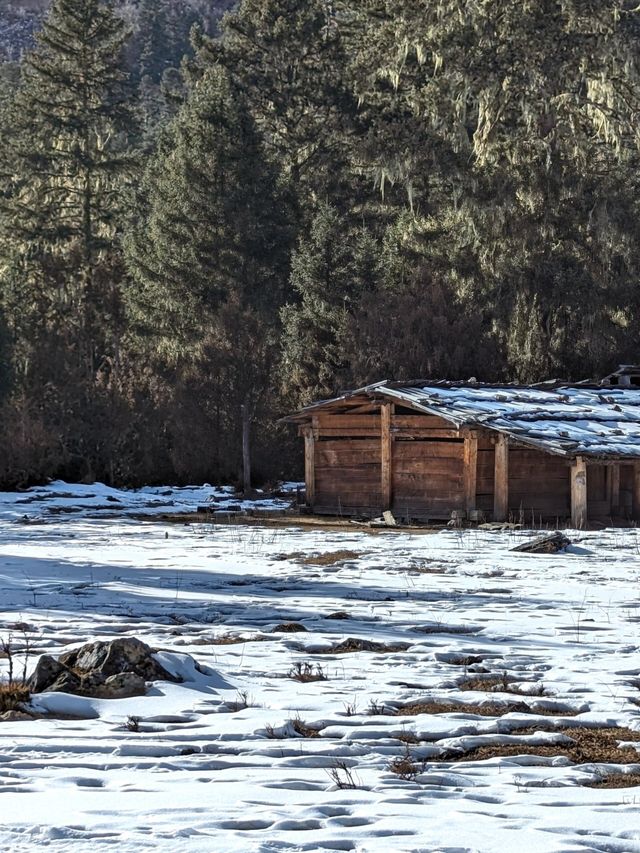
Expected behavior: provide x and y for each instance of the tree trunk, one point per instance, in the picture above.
(246, 448)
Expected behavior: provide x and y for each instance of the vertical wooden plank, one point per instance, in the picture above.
(310, 465)
(386, 411)
(636, 490)
(579, 493)
(613, 488)
(470, 470)
(501, 479)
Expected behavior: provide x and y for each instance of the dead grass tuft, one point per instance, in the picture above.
(302, 729)
(305, 671)
(482, 709)
(405, 766)
(352, 644)
(13, 696)
(330, 558)
(588, 746)
(502, 683)
(228, 640)
(615, 780)
(289, 628)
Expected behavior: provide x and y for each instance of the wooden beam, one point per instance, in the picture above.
(470, 470)
(386, 455)
(310, 465)
(579, 511)
(636, 490)
(613, 488)
(501, 479)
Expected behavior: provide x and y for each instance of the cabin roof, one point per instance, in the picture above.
(567, 420)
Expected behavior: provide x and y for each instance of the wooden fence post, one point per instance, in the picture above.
(470, 470)
(501, 479)
(579, 510)
(636, 490)
(310, 465)
(386, 455)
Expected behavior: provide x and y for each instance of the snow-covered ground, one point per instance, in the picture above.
(205, 773)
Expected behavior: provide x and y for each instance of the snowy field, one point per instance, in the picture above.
(458, 730)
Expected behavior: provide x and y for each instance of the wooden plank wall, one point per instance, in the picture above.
(428, 479)
(348, 477)
(539, 485)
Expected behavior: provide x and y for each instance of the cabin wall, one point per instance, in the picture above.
(428, 480)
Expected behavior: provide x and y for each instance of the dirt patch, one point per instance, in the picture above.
(483, 709)
(329, 559)
(615, 780)
(500, 683)
(228, 640)
(588, 746)
(352, 644)
(289, 628)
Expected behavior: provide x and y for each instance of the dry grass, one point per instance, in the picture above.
(304, 671)
(330, 558)
(228, 640)
(502, 683)
(405, 766)
(482, 709)
(13, 696)
(588, 746)
(289, 628)
(302, 729)
(615, 780)
(352, 644)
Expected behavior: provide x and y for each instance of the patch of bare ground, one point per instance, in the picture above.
(587, 746)
(501, 683)
(330, 558)
(228, 640)
(353, 644)
(482, 709)
(426, 569)
(301, 728)
(289, 628)
(615, 780)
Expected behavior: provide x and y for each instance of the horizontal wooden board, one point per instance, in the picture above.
(428, 450)
(419, 422)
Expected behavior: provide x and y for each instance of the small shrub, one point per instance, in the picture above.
(305, 671)
(133, 723)
(405, 766)
(342, 776)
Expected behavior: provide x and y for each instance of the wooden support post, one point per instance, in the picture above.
(501, 479)
(470, 470)
(386, 455)
(579, 493)
(636, 490)
(310, 465)
(613, 488)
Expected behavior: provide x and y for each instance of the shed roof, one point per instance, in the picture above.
(568, 420)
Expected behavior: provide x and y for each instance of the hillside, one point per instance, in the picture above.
(19, 19)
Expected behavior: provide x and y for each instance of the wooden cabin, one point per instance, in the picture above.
(547, 453)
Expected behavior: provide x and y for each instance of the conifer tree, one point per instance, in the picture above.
(209, 257)
(66, 168)
(332, 268)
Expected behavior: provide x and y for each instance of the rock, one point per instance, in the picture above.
(126, 654)
(288, 628)
(47, 671)
(545, 544)
(105, 670)
(121, 686)
(15, 716)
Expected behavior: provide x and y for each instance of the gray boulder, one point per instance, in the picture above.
(106, 670)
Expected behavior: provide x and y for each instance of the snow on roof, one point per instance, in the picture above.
(570, 420)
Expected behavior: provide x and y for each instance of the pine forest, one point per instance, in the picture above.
(212, 214)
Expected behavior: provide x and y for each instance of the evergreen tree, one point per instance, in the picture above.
(332, 268)
(66, 168)
(209, 258)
